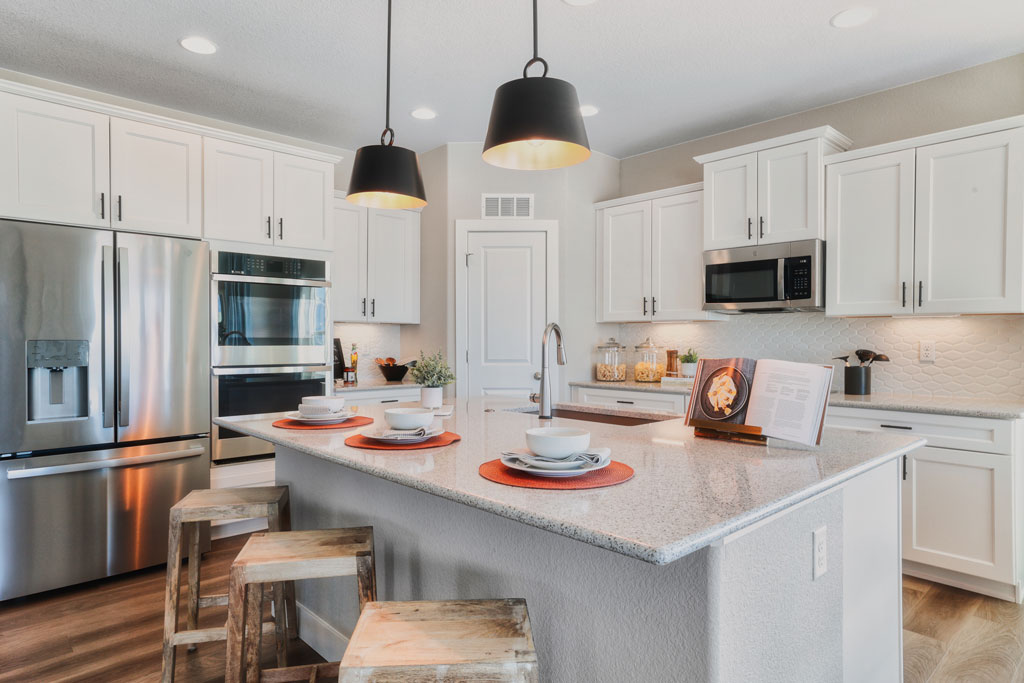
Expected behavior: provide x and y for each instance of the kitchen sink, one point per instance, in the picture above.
(588, 416)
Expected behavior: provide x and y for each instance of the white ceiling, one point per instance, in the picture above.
(662, 71)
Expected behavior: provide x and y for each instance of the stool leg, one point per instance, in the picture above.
(253, 632)
(278, 589)
(193, 580)
(289, 586)
(235, 627)
(171, 596)
(366, 576)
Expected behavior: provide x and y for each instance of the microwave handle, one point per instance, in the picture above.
(780, 279)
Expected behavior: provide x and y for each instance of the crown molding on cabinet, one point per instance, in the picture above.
(828, 133)
(930, 139)
(158, 120)
(656, 194)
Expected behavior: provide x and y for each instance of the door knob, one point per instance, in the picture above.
(537, 376)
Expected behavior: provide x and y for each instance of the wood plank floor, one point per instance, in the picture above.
(112, 630)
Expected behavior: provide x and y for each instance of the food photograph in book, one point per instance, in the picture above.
(721, 391)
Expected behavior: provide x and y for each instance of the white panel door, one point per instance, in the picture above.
(393, 266)
(238, 192)
(870, 231)
(54, 162)
(789, 189)
(625, 248)
(677, 236)
(303, 201)
(730, 202)
(970, 225)
(507, 311)
(348, 263)
(958, 512)
(156, 179)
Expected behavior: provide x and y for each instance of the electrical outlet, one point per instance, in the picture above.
(927, 354)
(820, 551)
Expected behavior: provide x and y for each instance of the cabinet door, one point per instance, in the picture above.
(730, 202)
(393, 266)
(303, 201)
(54, 162)
(870, 229)
(625, 254)
(156, 179)
(625, 399)
(789, 193)
(677, 235)
(958, 512)
(970, 225)
(348, 263)
(238, 197)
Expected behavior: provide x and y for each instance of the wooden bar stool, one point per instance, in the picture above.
(457, 640)
(205, 505)
(288, 556)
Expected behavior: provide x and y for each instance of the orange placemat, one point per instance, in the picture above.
(360, 441)
(357, 421)
(615, 473)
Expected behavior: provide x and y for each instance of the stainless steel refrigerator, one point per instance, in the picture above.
(104, 399)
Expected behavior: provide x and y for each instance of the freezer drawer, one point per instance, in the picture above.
(75, 517)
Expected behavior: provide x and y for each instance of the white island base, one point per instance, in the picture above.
(745, 608)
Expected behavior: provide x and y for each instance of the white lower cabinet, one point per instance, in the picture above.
(623, 398)
(372, 397)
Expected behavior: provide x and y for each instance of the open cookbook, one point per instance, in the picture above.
(760, 398)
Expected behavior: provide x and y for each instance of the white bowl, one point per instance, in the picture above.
(557, 442)
(408, 418)
(334, 403)
(316, 410)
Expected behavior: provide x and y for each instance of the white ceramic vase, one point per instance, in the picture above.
(688, 369)
(430, 397)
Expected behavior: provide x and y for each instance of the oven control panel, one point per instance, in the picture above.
(259, 265)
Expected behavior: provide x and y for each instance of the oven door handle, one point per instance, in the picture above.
(780, 279)
(223, 277)
(268, 370)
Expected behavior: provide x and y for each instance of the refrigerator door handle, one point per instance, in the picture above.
(28, 473)
(123, 356)
(108, 336)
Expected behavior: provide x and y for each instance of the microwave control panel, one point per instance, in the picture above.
(258, 265)
(798, 278)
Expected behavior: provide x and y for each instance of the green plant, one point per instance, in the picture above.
(689, 357)
(432, 371)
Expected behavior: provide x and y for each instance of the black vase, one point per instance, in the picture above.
(858, 380)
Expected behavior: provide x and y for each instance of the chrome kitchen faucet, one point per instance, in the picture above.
(544, 397)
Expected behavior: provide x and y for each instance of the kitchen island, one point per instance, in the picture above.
(699, 568)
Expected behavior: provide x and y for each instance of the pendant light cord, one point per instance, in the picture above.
(387, 98)
(536, 58)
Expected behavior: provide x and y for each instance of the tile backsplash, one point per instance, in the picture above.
(976, 356)
(373, 341)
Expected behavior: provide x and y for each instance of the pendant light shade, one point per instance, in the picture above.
(385, 176)
(536, 122)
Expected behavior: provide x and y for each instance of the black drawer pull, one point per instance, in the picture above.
(895, 427)
(629, 403)
(390, 400)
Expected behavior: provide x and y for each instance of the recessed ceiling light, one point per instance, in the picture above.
(424, 113)
(198, 44)
(853, 17)
(588, 110)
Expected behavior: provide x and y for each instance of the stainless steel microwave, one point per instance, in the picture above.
(768, 278)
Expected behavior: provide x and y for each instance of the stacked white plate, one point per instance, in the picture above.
(404, 436)
(332, 418)
(525, 461)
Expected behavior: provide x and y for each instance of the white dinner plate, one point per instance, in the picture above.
(334, 419)
(399, 439)
(547, 464)
(515, 463)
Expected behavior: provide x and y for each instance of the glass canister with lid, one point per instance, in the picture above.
(610, 361)
(648, 367)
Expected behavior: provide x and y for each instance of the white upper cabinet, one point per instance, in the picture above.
(393, 266)
(677, 231)
(768, 192)
(303, 199)
(870, 230)
(54, 162)
(238, 198)
(348, 263)
(730, 202)
(625, 262)
(970, 225)
(156, 179)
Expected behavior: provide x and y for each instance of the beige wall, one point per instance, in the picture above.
(983, 93)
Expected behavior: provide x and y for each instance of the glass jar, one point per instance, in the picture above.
(610, 362)
(648, 367)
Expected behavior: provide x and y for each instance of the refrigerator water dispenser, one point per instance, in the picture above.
(58, 379)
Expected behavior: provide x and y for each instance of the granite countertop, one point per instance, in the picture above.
(687, 492)
(632, 385)
(936, 405)
(374, 381)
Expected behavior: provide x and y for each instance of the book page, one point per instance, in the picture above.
(786, 399)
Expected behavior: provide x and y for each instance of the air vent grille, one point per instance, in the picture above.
(506, 206)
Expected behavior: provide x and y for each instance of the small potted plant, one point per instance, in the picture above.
(688, 363)
(432, 373)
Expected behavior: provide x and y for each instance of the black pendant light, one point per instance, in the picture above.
(536, 122)
(385, 176)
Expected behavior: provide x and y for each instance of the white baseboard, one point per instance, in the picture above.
(328, 642)
(994, 589)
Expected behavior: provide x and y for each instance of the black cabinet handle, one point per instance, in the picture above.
(280, 228)
(364, 306)
(119, 207)
(904, 467)
(896, 427)
(904, 294)
(268, 227)
(103, 205)
(750, 228)
(390, 400)
(373, 308)
(920, 293)
(628, 403)
(645, 305)
(654, 305)
(761, 229)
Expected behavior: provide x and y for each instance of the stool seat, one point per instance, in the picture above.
(205, 505)
(464, 640)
